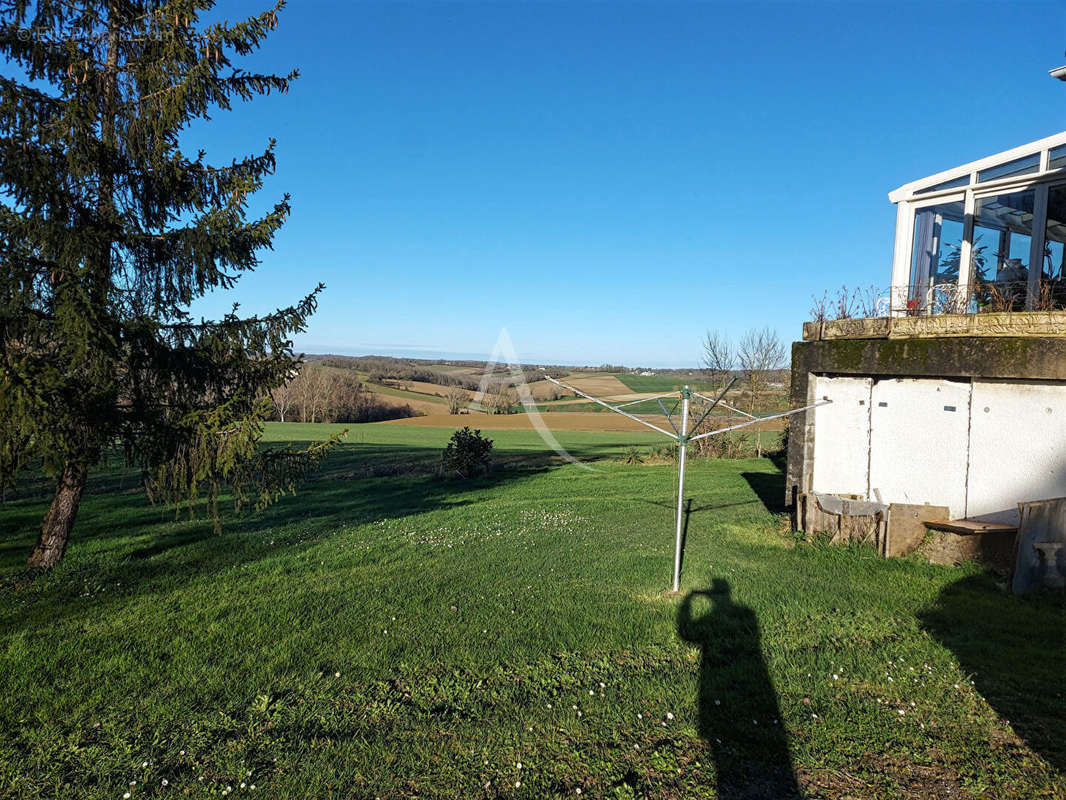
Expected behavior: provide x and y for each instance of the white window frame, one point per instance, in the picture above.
(1036, 238)
(1060, 183)
(901, 288)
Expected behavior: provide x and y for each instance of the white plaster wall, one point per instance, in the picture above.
(1017, 447)
(842, 436)
(918, 447)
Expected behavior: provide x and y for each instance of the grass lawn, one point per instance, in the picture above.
(388, 634)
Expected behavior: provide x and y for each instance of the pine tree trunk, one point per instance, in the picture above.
(58, 522)
(55, 530)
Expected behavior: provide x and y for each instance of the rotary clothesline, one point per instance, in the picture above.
(682, 437)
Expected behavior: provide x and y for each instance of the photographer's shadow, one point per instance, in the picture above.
(739, 716)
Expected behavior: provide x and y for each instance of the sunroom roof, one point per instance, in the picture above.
(1024, 160)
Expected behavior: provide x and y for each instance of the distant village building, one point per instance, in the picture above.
(949, 407)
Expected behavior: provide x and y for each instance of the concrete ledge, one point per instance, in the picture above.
(1008, 357)
(1019, 323)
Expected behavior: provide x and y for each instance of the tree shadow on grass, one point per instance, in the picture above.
(126, 547)
(739, 718)
(1015, 648)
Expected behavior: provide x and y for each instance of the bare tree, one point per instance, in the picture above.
(760, 354)
(501, 398)
(719, 356)
(319, 393)
(284, 397)
(313, 386)
(458, 398)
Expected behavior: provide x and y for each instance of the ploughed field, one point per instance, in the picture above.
(569, 412)
(386, 633)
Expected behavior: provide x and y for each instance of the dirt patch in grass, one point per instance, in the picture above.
(920, 781)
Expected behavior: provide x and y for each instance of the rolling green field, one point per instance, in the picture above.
(388, 634)
(665, 383)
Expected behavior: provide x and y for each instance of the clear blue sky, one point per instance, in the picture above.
(607, 181)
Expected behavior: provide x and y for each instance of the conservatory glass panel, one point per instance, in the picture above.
(952, 184)
(1055, 234)
(1002, 236)
(1020, 166)
(935, 254)
(1057, 157)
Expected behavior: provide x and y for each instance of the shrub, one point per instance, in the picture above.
(666, 453)
(467, 454)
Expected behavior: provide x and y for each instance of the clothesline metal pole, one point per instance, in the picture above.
(682, 440)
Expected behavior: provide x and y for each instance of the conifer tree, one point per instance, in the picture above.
(108, 232)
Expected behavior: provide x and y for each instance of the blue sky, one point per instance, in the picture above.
(607, 181)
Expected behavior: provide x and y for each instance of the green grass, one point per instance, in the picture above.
(388, 634)
(665, 383)
(643, 407)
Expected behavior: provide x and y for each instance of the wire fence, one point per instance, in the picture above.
(924, 299)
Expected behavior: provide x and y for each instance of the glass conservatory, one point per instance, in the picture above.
(986, 236)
